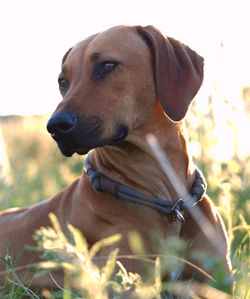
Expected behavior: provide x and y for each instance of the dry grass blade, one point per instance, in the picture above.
(182, 192)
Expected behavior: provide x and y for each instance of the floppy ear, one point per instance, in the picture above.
(66, 55)
(178, 72)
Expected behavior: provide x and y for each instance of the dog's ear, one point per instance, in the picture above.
(178, 72)
(66, 55)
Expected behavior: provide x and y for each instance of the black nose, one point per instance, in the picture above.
(61, 123)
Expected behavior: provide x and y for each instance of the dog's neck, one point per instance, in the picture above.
(133, 164)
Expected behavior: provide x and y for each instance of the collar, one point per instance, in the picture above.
(101, 183)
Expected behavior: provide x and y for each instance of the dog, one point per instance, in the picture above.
(118, 86)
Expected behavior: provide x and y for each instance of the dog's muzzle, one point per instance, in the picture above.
(62, 127)
(61, 123)
(78, 134)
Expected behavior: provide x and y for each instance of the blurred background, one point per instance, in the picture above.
(36, 34)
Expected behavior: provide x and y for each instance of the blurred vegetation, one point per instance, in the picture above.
(35, 170)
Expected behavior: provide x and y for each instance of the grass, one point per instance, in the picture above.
(35, 170)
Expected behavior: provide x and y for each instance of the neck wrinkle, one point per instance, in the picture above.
(135, 166)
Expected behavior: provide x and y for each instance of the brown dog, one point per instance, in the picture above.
(117, 87)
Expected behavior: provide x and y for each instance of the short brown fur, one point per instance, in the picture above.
(149, 82)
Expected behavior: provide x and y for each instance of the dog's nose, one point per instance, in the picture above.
(61, 123)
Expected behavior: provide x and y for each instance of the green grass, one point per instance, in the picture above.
(37, 171)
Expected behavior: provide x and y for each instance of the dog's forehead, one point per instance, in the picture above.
(111, 43)
(120, 36)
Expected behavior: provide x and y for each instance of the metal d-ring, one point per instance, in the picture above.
(177, 212)
(179, 216)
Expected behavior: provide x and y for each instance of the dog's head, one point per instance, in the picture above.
(111, 82)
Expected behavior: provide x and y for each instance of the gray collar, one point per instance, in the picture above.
(101, 183)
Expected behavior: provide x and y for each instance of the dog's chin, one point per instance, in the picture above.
(116, 139)
(70, 152)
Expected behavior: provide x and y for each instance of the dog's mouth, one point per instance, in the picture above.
(77, 134)
(82, 143)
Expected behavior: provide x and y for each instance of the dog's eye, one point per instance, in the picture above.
(63, 84)
(108, 66)
(102, 69)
